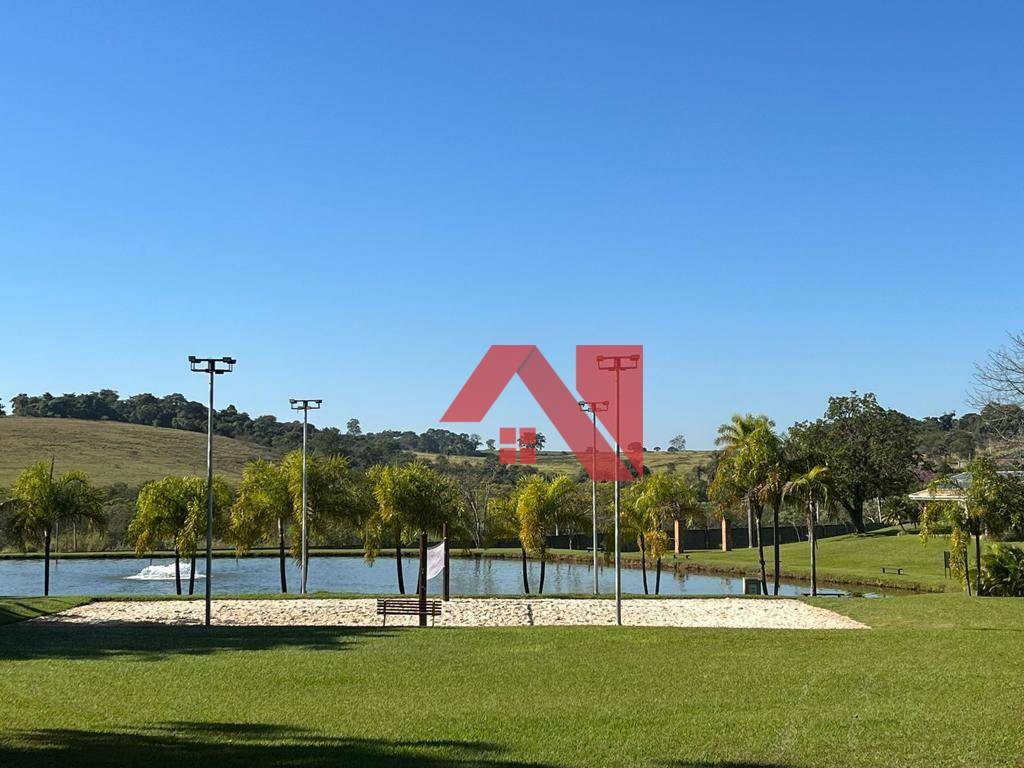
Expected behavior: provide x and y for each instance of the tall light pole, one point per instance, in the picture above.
(305, 406)
(593, 408)
(213, 366)
(617, 364)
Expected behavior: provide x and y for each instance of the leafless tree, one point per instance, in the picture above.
(998, 391)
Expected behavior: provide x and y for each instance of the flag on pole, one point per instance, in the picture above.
(435, 560)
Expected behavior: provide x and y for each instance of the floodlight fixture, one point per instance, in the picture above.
(617, 364)
(305, 405)
(212, 366)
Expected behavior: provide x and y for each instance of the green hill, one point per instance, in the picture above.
(111, 452)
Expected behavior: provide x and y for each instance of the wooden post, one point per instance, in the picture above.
(726, 535)
(677, 529)
(423, 579)
(446, 594)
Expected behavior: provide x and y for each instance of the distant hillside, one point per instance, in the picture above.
(111, 452)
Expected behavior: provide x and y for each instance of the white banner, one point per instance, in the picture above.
(435, 560)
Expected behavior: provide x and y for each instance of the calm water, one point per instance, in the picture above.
(129, 576)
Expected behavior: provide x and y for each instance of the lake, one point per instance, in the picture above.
(251, 575)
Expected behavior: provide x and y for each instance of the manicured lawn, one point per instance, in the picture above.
(852, 559)
(938, 682)
(849, 559)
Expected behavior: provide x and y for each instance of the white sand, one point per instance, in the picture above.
(760, 613)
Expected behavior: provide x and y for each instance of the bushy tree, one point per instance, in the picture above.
(870, 451)
(987, 506)
(479, 483)
(1002, 571)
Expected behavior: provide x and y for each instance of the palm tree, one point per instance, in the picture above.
(749, 474)
(39, 503)
(732, 437)
(174, 510)
(772, 473)
(387, 520)
(658, 500)
(412, 497)
(502, 511)
(543, 506)
(264, 508)
(814, 489)
(637, 520)
(338, 501)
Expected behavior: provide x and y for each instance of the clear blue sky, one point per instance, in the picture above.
(781, 201)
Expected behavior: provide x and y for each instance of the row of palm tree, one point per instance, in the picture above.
(758, 471)
(395, 504)
(388, 504)
(650, 506)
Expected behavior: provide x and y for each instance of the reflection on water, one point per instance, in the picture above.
(251, 575)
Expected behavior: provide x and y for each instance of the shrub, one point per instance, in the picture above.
(1002, 571)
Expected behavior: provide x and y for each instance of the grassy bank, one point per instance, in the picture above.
(909, 692)
(852, 559)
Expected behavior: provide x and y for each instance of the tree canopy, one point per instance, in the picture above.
(871, 451)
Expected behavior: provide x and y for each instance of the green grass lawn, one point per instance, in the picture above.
(852, 559)
(844, 560)
(111, 452)
(939, 681)
(14, 609)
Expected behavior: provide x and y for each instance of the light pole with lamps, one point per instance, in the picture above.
(213, 366)
(593, 408)
(305, 406)
(617, 364)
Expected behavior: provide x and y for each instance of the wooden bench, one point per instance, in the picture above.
(826, 594)
(892, 569)
(406, 606)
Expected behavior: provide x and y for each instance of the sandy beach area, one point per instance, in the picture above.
(470, 612)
